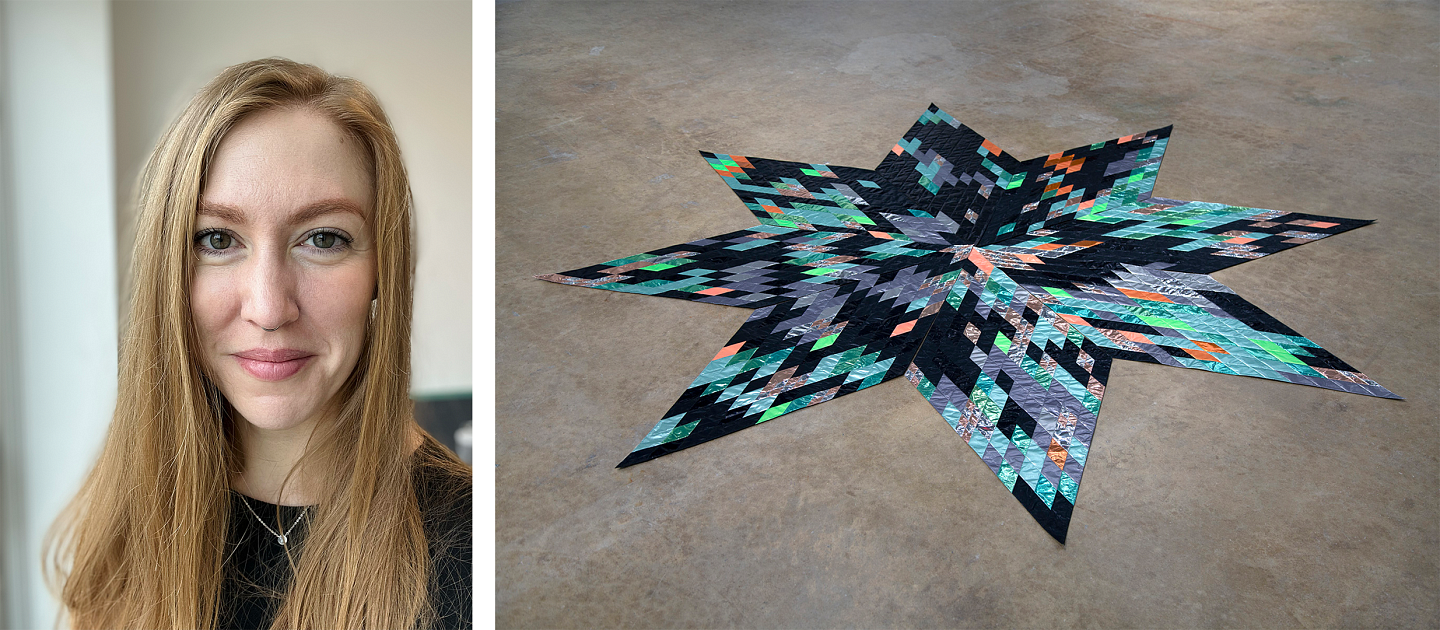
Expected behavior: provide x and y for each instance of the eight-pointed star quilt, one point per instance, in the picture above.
(1001, 289)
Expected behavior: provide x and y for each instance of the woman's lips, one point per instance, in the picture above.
(273, 365)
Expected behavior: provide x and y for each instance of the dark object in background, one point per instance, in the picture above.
(443, 417)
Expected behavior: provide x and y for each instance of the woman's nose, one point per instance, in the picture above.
(270, 302)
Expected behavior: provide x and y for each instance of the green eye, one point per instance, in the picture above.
(218, 240)
(323, 240)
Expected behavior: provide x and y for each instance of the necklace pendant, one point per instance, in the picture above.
(281, 539)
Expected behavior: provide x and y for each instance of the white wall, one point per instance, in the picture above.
(414, 55)
(57, 241)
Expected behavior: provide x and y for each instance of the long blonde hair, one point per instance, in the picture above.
(141, 545)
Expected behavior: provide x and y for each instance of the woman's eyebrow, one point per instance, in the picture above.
(324, 207)
(221, 211)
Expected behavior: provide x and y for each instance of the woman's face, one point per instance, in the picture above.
(284, 265)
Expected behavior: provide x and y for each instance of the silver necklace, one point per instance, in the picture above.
(280, 538)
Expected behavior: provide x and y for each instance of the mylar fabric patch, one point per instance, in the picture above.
(1001, 289)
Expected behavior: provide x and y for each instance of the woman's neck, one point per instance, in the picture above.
(268, 456)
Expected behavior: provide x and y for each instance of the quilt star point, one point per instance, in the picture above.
(1001, 289)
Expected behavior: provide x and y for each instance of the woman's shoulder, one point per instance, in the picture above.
(442, 487)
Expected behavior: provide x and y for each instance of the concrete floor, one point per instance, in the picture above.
(1209, 500)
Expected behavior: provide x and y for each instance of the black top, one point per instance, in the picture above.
(257, 572)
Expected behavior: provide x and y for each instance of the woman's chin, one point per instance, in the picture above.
(270, 417)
